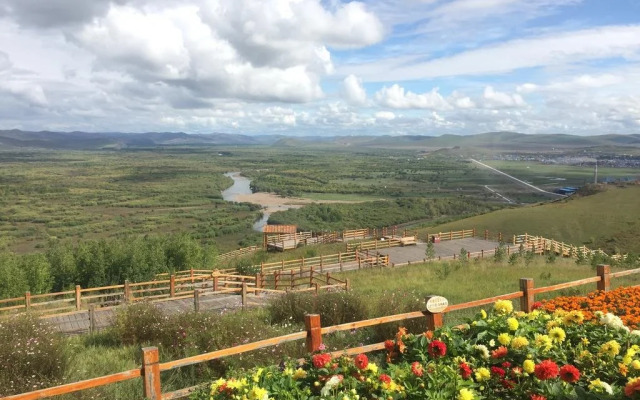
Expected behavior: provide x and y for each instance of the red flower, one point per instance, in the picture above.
(537, 397)
(535, 306)
(547, 369)
(506, 364)
(389, 345)
(416, 368)
(321, 360)
(384, 378)
(499, 352)
(632, 387)
(465, 370)
(437, 349)
(569, 373)
(361, 361)
(497, 371)
(507, 384)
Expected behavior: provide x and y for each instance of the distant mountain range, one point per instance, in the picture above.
(14, 139)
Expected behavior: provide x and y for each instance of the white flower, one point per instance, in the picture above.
(606, 387)
(482, 349)
(612, 321)
(331, 384)
(635, 332)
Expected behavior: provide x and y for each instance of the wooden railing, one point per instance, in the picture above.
(238, 253)
(173, 287)
(313, 333)
(453, 235)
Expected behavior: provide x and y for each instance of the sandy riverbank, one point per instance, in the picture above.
(273, 202)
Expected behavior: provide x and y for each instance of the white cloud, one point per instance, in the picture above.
(385, 115)
(556, 49)
(581, 82)
(352, 90)
(495, 99)
(396, 97)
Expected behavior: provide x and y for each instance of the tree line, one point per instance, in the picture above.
(92, 263)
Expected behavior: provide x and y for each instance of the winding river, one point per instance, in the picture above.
(240, 191)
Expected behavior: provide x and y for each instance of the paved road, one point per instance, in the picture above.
(516, 179)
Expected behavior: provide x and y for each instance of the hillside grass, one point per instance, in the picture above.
(609, 220)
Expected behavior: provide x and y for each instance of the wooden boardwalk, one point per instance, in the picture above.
(78, 322)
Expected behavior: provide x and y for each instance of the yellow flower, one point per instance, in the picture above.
(512, 323)
(483, 314)
(258, 393)
(465, 394)
(237, 383)
(612, 348)
(557, 334)
(543, 342)
(533, 315)
(299, 374)
(256, 375)
(528, 366)
(503, 307)
(504, 339)
(573, 317)
(585, 341)
(482, 374)
(519, 342)
(635, 364)
(372, 367)
(559, 313)
(215, 385)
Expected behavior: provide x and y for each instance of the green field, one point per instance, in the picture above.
(609, 220)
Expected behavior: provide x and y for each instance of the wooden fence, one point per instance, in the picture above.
(238, 253)
(454, 235)
(151, 367)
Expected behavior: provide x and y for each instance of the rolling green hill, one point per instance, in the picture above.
(609, 220)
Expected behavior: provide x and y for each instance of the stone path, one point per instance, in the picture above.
(78, 322)
(447, 248)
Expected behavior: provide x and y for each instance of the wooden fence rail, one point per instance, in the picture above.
(313, 333)
(238, 253)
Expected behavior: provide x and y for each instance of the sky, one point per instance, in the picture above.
(321, 67)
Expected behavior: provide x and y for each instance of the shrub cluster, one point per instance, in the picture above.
(32, 355)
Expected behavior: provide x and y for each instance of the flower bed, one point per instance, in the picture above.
(623, 302)
(499, 355)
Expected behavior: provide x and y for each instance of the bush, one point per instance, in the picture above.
(140, 323)
(397, 302)
(334, 307)
(32, 356)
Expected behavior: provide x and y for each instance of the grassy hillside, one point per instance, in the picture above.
(609, 220)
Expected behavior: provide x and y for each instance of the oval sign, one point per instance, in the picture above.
(437, 304)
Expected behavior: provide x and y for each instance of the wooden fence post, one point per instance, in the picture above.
(311, 276)
(258, 283)
(216, 283)
(347, 284)
(528, 297)
(473, 234)
(434, 320)
(605, 279)
(191, 270)
(486, 234)
(340, 261)
(499, 236)
(172, 286)
(27, 300)
(151, 373)
(92, 318)
(127, 292)
(243, 294)
(78, 298)
(314, 329)
(196, 300)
